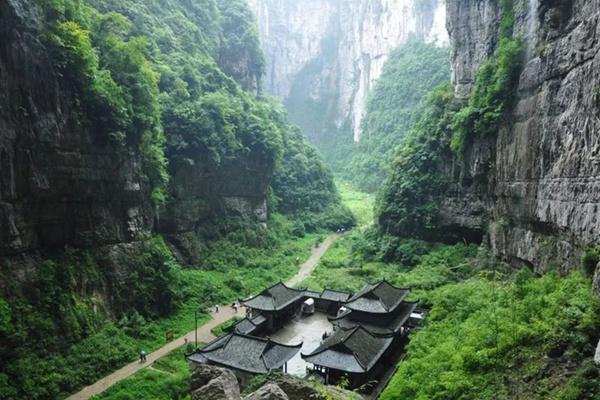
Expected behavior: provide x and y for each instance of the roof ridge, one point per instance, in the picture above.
(225, 340)
(335, 290)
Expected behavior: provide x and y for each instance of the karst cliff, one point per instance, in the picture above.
(323, 56)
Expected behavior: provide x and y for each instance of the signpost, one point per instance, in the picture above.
(196, 328)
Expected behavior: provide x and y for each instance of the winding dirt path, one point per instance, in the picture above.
(204, 335)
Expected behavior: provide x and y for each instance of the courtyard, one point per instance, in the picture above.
(305, 329)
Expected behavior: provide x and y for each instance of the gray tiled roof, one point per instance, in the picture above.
(328, 294)
(248, 326)
(379, 298)
(312, 293)
(246, 353)
(351, 350)
(335, 295)
(382, 325)
(245, 327)
(275, 298)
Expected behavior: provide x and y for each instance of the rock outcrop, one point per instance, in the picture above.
(214, 383)
(323, 56)
(268, 392)
(534, 189)
(200, 195)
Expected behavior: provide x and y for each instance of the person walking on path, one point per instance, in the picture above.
(217, 308)
(142, 356)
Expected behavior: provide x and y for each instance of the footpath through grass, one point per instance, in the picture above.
(230, 270)
(166, 379)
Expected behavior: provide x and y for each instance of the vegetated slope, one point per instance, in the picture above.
(124, 120)
(492, 332)
(502, 337)
(412, 71)
(324, 57)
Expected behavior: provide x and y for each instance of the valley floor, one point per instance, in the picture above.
(493, 331)
(204, 334)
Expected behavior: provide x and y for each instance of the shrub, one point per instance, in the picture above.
(590, 260)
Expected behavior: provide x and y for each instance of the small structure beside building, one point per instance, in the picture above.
(308, 307)
(251, 326)
(246, 355)
(329, 301)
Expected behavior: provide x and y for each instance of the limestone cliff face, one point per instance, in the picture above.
(201, 194)
(535, 188)
(323, 56)
(61, 181)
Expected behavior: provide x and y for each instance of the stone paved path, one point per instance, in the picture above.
(204, 335)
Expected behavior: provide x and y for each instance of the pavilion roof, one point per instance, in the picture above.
(246, 353)
(381, 326)
(354, 350)
(378, 298)
(274, 298)
(335, 295)
(247, 326)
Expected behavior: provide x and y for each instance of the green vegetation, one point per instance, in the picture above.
(589, 260)
(493, 93)
(500, 337)
(493, 332)
(61, 315)
(412, 71)
(166, 379)
(354, 260)
(109, 67)
(361, 204)
(160, 79)
(408, 203)
(57, 320)
(178, 78)
(494, 89)
(303, 187)
(226, 327)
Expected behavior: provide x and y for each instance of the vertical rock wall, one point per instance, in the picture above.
(535, 188)
(62, 182)
(323, 56)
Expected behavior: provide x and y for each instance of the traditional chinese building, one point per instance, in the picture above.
(379, 308)
(354, 353)
(369, 331)
(274, 306)
(246, 355)
(367, 335)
